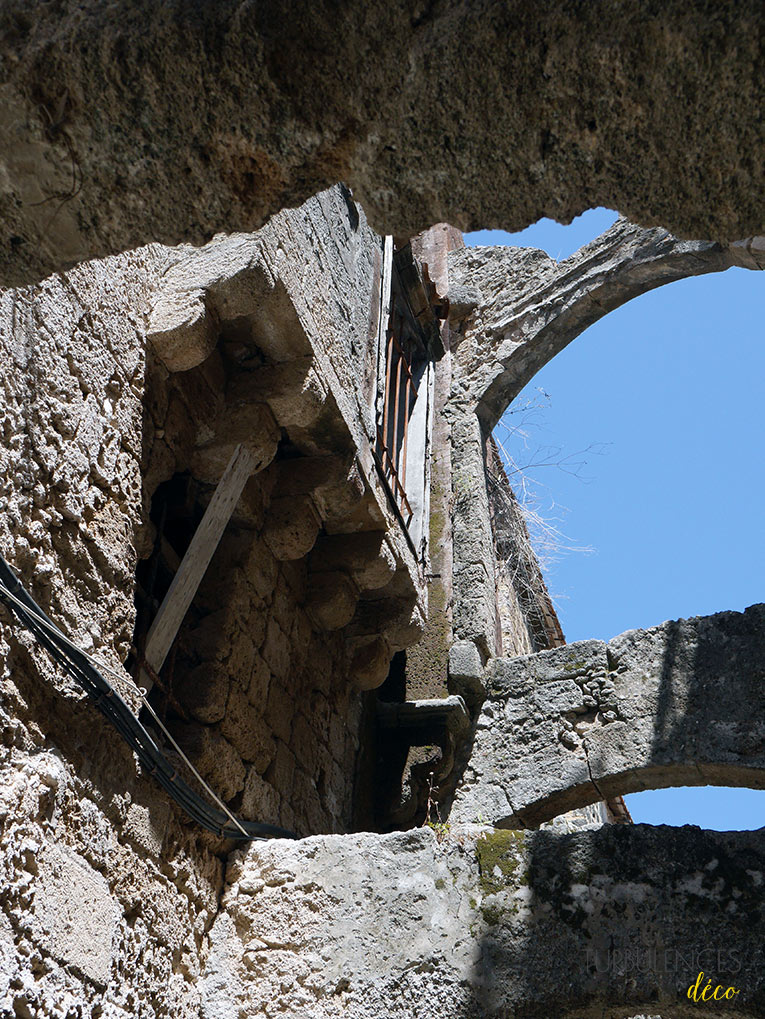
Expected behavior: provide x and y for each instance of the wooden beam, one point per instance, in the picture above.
(174, 607)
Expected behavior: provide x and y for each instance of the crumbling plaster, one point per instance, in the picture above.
(129, 123)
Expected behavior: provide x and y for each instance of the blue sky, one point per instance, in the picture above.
(656, 413)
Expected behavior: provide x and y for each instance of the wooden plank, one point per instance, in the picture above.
(194, 564)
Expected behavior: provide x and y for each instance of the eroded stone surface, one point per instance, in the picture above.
(531, 306)
(680, 704)
(224, 114)
(528, 308)
(480, 923)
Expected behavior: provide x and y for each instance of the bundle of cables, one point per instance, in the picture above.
(84, 671)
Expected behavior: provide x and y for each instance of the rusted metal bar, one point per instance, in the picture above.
(406, 428)
(386, 404)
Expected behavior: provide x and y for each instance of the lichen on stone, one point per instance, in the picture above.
(499, 856)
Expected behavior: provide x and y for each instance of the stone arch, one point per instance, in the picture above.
(512, 310)
(526, 307)
(678, 704)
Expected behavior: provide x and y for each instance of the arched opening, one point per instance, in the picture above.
(673, 509)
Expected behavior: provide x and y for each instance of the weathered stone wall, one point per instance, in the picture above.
(515, 308)
(528, 307)
(680, 704)
(526, 619)
(271, 719)
(173, 121)
(107, 892)
(261, 691)
(478, 923)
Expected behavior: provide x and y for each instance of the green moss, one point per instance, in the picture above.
(499, 855)
(492, 914)
(440, 884)
(578, 666)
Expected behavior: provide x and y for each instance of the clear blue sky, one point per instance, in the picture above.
(668, 390)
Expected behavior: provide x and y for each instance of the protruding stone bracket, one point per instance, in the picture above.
(432, 716)
(680, 704)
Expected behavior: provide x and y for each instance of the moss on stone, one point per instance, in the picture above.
(498, 860)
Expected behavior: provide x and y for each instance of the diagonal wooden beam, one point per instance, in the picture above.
(186, 581)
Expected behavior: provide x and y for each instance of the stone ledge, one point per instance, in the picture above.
(481, 923)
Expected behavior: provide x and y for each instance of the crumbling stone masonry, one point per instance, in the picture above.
(352, 660)
(173, 121)
(675, 705)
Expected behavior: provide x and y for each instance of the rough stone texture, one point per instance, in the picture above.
(477, 923)
(174, 121)
(526, 619)
(427, 662)
(530, 308)
(107, 890)
(102, 880)
(533, 306)
(680, 704)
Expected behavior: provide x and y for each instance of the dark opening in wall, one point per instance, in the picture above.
(414, 747)
(175, 514)
(255, 691)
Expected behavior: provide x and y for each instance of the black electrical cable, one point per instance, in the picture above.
(117, 712)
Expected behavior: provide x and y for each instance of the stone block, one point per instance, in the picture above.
(276, 650)
(245, 731)
(146, 825)
(257, 689)
(252, 426)
(75, 912)
(369, 661)
(281, 772)
(280, 710)
(293, 390)
(292, 527)
(331, 600)
(204, 692)
(214, 757)
(466, 671)
(367, 557)
(181, 332)
(260, 801)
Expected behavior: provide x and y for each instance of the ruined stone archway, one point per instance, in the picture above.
(513, 310)
(525, 307)
(679, 704)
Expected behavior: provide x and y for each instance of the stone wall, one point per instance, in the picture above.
(514, 309)
(174, 121)
(486, 924)
(107, 893)
(258, 691)
(111, 406)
